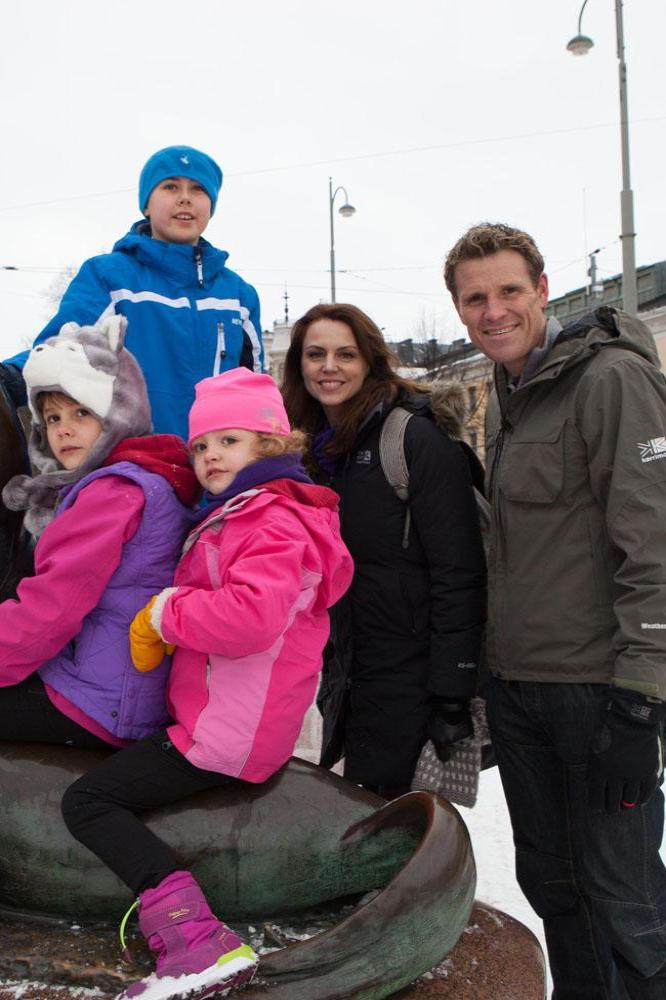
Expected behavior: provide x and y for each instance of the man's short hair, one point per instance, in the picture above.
(487, 238)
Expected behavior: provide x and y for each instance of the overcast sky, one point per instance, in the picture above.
(433, 115)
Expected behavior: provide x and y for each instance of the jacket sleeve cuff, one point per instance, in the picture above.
(14, 384)
(157, 609)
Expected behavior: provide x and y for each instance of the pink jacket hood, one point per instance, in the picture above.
(308, 499)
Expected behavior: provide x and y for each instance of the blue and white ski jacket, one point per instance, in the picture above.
(188, 316)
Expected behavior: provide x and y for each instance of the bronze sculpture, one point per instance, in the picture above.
(304, 837)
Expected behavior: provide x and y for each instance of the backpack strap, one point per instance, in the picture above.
(393, 461)
(394, 467)
(392, 451)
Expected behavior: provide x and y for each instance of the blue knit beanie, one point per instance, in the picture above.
(180, 161)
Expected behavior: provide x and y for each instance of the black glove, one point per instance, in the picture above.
(13, 384)
(627, 753)
(449, 723)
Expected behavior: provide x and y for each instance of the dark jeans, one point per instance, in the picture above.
(27, 715)
(597, 881)
(100, 809)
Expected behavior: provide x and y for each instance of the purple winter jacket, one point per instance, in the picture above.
(94, 671)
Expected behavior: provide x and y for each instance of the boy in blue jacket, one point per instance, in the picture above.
(189, 315)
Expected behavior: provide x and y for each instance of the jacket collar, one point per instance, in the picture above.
(177, 260)
(601, 329)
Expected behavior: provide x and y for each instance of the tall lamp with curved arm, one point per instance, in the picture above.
(580, 45)
(345, 211)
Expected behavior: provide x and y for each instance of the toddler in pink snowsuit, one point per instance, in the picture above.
(248, 618)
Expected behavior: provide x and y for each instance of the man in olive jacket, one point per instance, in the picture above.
(576, 474)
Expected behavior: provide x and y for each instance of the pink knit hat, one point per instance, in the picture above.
(237, 398)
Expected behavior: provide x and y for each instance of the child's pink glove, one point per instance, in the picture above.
(147, 647)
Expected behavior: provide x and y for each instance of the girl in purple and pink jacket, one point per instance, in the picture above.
(109, 512)
(247, 615)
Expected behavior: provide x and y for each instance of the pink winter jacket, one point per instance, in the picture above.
(248, 617)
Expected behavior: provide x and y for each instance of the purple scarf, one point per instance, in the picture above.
(327, 463)
(255, 474)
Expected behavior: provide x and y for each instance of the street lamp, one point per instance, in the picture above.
(345, 211)
(580, 45)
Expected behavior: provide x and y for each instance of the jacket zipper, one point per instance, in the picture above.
(198, 263)
(344, 471)
(220, 350)
(505, 425)
(499, 444)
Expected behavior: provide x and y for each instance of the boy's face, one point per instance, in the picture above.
(179, 210)
(71, 430)
(219, 456)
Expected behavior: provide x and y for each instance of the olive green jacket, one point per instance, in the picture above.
(576, 474)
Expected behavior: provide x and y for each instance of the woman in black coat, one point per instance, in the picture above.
(402, 663)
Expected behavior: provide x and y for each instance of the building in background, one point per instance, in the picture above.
(651, 282)
(460, 361)
(276, 345)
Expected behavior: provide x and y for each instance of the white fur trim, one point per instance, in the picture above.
(157, 609)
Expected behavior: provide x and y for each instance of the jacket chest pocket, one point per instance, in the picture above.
(532, 471)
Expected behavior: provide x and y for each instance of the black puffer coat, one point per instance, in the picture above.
(410, 626)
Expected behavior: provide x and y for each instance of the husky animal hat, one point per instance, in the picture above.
(90, 364)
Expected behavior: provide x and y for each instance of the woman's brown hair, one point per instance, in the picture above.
(382, 383)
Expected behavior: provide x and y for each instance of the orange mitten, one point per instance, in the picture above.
(147, 647)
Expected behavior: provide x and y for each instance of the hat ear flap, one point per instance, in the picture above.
(113, 327)
(69, 328)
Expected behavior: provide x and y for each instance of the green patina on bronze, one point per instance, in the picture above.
(303, 838)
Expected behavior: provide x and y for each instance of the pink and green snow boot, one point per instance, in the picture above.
(196, 954)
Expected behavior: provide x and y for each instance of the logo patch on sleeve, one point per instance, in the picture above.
(653, 449)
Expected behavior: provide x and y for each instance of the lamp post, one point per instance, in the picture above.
(345, 211)
(580, 45)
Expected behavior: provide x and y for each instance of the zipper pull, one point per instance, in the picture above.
(220, 350)
(199, 265)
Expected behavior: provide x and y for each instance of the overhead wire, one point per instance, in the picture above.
(405, 151)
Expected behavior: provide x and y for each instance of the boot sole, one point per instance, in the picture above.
(216, 978)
